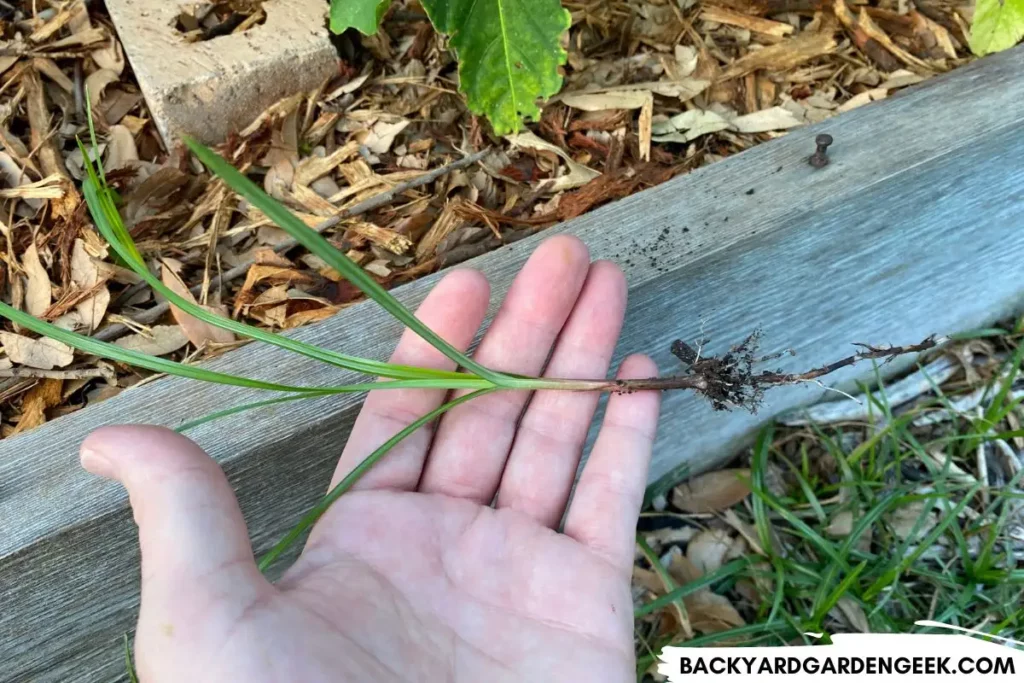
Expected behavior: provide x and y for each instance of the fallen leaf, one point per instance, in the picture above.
(711, 613)
(688, 126)
(610, 99)
(46, 394)
(86, 274)
(157, 341)
(110, 57)
(97, 82)
(860, 99)
(707, 550)
(578, 173)
(197, 331)
(121, 148)
(382, 135)
(903, 520)
(713, 491)
(681, 569)
(853, 614)
(37, 287)
(774, 118)
(42, 353)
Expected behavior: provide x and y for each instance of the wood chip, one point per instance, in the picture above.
(41, 397)
(767, 27)
(784, 55)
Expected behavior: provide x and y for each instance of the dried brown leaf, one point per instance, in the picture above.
(38, 294)
(197, 331)
(156, 341)
(708, 549)
(712, 613)
(852, 613)
(42, 396)
(86, 274)
(43, 353)
(713, 491)
(97, 82)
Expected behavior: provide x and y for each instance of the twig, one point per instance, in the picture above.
(35, 373)
(151, 314)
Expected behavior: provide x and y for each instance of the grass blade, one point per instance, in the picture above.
(352, 477)
(318, 245)
(142, 360)
(680, 592)
(465, 382)
(108, 222)
(128, 665)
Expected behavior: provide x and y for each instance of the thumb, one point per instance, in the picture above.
(191, 530)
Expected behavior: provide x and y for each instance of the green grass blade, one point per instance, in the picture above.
(830, 601)
(142, 360)
(128, 665)
(109, 223)
(680, 592)
(465, 382)
(191, 424)
(345, 484)
(318, 245)
(893, 574)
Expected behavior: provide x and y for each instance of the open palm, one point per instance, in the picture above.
(444, 562)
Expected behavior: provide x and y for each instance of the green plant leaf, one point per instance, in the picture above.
(362, 15)
(141, 360)
(509, 52)
(998, 25)
(108, 221)
(317, 244)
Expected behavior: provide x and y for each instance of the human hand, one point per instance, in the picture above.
(413, 575)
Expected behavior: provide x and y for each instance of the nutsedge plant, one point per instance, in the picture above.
(477, 379)
(727, 381)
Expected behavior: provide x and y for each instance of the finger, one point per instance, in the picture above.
(473, 439)
(550, 439)
(191, 530)
(605, 507)
(454, 309)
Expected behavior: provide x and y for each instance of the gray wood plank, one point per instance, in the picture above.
(913, 229)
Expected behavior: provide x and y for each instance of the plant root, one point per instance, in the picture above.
(730, 380)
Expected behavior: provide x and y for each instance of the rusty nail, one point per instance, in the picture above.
(820, 157)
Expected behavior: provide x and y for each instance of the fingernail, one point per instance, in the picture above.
(95, 462)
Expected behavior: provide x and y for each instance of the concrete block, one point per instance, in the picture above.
(210, 88)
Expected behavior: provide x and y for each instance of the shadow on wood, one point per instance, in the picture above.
(913, 229)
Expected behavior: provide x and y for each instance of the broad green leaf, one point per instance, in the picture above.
(317, 244)
(362, 15)
(998, 25)
(509, 52)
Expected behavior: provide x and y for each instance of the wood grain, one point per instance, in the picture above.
(913, 229)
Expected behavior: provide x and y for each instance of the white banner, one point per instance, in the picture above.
(862, 656)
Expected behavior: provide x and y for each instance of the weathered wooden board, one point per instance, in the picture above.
(915, 228)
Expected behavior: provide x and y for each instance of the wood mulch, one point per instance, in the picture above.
(652, 89)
